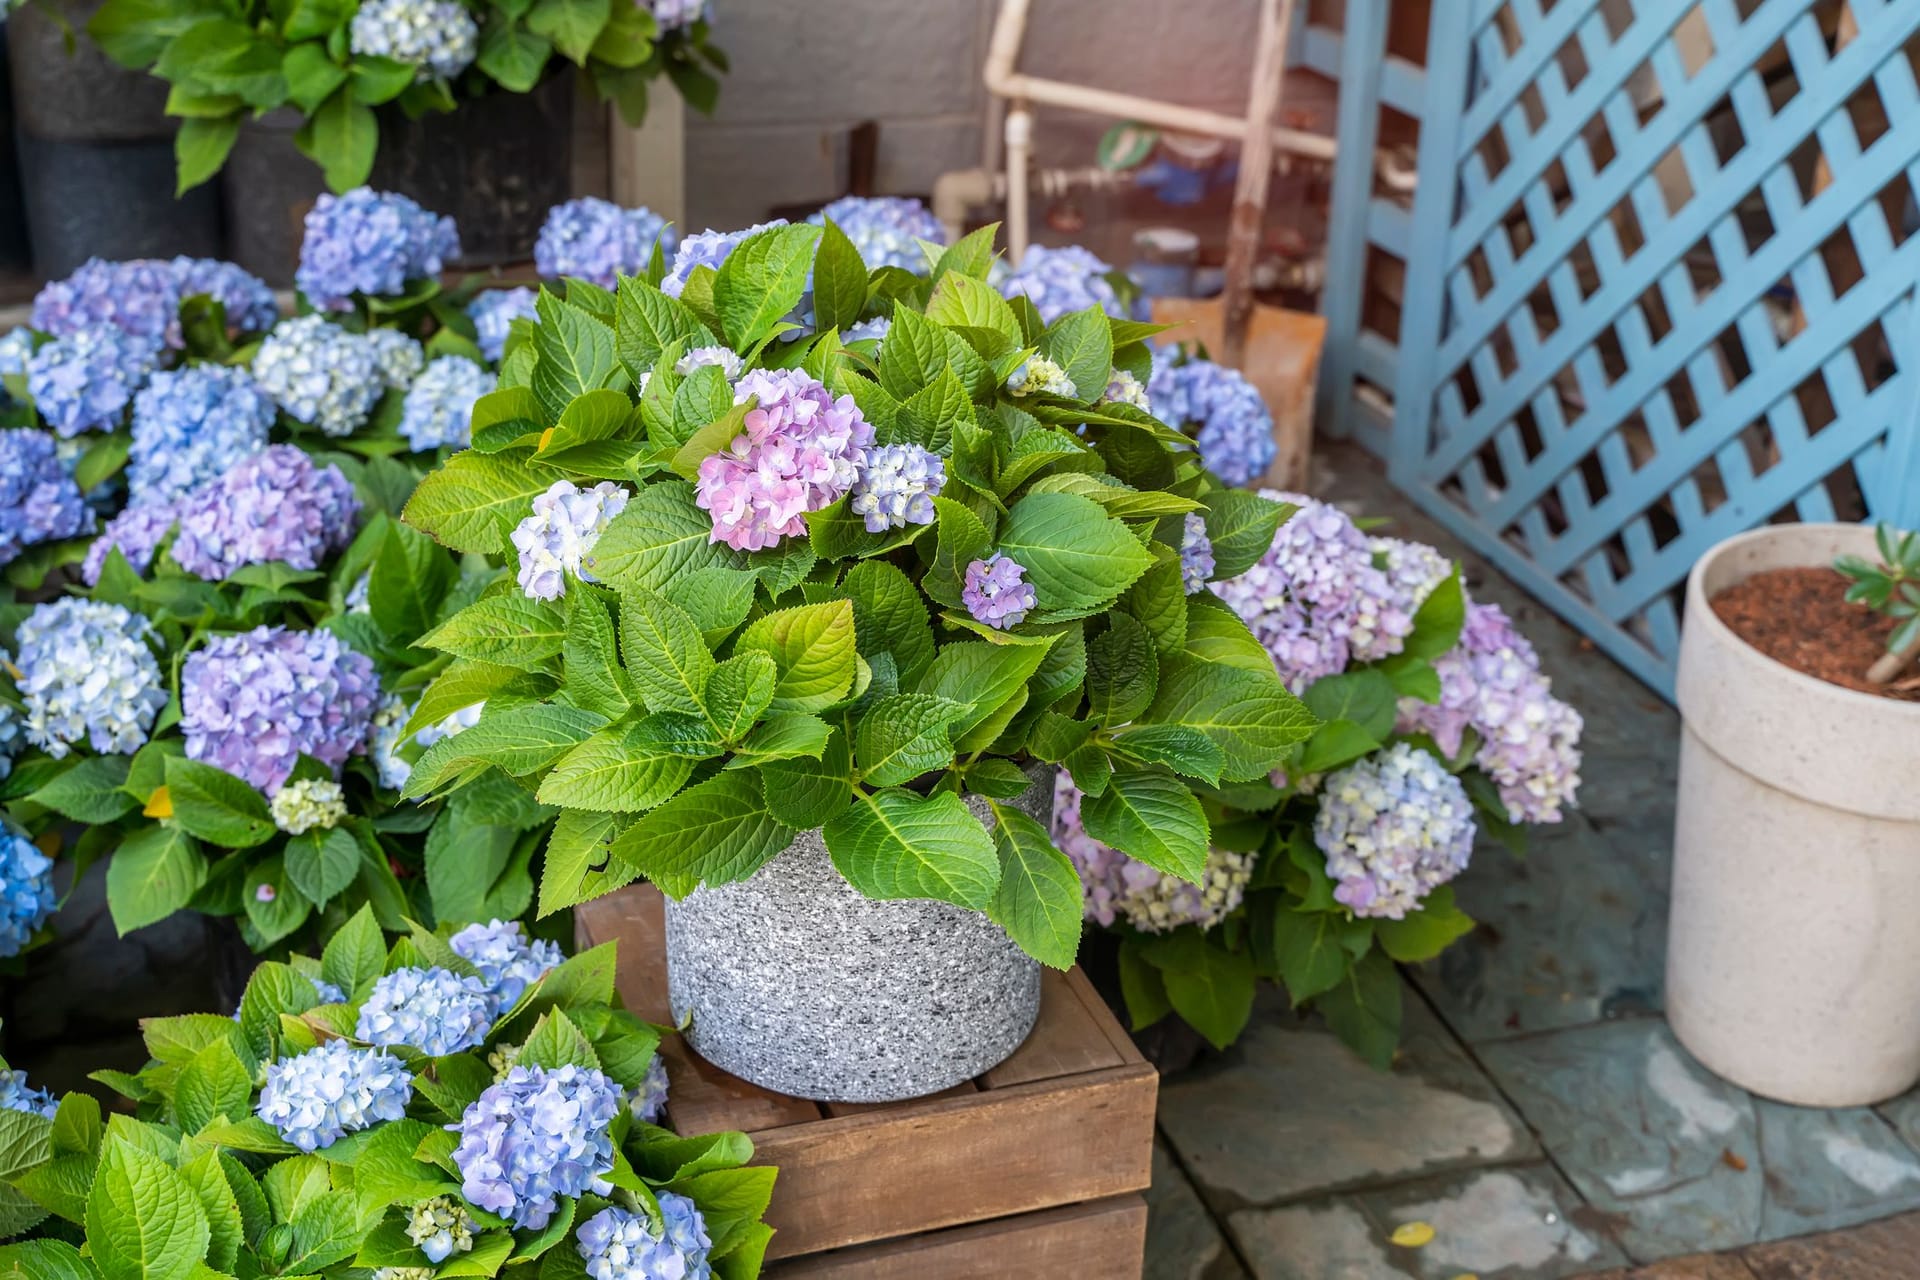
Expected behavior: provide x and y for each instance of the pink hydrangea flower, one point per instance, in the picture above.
(798, 451)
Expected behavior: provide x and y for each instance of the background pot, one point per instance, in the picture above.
(797, 983)
(1793, 964)
(268, 186)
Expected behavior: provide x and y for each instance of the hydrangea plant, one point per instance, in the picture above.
(279, 1141)
(808, 587)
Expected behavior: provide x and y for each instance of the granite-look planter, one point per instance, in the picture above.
(1793, 964)
(794, 981)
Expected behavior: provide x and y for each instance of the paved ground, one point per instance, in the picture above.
(1541, 1117)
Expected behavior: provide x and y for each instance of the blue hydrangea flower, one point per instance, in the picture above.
(87, 675)
(433, 1010)
(26, 890)
(13, 735)
(707, 249)
(1223, 412)
(885, 229)
(438, 36)
(874, 330)
(895, 486)
(251, 702)
(675, 14)
(191, 425)
(559, 537)
(17, 1095)
(16, 345)
(725, 359)
(509, 962)
(649, 1101)
(314, 1099)
(439, 405)
(618, 1244)
(320, 374)
(276, 505)
(493, 314)
(535, 1136)
(245, 297)
(140, 298)
(370, 242)
(996, 592)
(398, 357)
(599, 241)
(1196, 553)
(39, 501)
(1393, 826)
(82, 381)
(1061, 281)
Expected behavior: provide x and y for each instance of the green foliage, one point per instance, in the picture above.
(1890, 587)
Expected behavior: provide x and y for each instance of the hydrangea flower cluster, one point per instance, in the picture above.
(440, 1228)
(306, 803)
(433, 1010)
(39, 501)
(617, 1244)
(798, 451)
(1124, 388)
(13, 738)
(896, 485)
(885, 229)
(509, 962)
(398, 357)
(1393, 826)
(535, 1136)
(996, 592)
(87, 675)
(26, 891)
(252, 702)
(707, 249)
(16, 345)
(438, 36)
(599, 241)
(314, 1099)
(372, 242)
(559, 537)
(874, 330)
(17, 1095)
(493, 314)
(1315, 599)
(1040, 376)
(1196, 553)
(1121, 887)
(1059, 281)
(82, 380)
(384, 741)
(192, 425)
(244, 296)
(140, 297)
(674, 14)
(137, 532)
(439, 406)
(1413, 570)
(649, 1101)
(1229, 420)
(1529, 740)
(725, 359)
(319, 373)
(276, 505)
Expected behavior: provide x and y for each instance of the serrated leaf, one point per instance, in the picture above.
(715, 833)
(666, 656)
(520, 740)
(898, 844)
(1076, 556)
(1153, 818)
(216, 806)
(321, 864)
(143, 1219)
(802, 791)
(1250, 715)
(614, 771)
(1038, 902)
(812, 647)
(660, 535)
(761, 281)
(472, 501)
(1241, 526)
(504, 630)
(905, 735)
(1122, 671)
(153, 874)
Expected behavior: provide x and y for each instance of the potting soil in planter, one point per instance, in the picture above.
(1801, 617)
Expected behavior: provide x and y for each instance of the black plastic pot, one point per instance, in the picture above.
(14, 251)
(268, 186)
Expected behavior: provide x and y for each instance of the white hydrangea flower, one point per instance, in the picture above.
(86, 674)
(438, 36)
(306, 803)
(721, 358)
(1041, 376)
(398, 357)
(559, 537)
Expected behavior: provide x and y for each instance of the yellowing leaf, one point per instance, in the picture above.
(1411, 1235)
(159, 804)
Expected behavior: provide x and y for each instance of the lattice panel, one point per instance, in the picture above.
(1662, 289)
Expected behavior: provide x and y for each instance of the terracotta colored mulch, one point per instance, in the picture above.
(1801, 617)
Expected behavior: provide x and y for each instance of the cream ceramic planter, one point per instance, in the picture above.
(1793, 956)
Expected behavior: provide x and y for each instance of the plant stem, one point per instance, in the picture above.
(1892, 664)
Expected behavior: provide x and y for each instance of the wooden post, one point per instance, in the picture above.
(1256, 168)
(649, 164)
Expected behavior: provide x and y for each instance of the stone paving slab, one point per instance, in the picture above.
(1686, 1161)
(1183, 1241)
(1290, 1111)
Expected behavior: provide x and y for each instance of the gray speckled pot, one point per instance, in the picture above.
(796, 982)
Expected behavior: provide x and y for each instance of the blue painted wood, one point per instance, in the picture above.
(1363, 48)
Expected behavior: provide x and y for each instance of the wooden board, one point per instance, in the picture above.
(1067, 1120)
(1104, 1239)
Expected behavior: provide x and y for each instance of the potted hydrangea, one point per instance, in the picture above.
(796, 630)
(1436, 724)
(463, 1106)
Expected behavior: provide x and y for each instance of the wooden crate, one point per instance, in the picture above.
(1034, 1169)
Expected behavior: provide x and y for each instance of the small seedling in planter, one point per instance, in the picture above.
(1891, 587)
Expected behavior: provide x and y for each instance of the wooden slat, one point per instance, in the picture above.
(1065, 1041)
(1105, 1239)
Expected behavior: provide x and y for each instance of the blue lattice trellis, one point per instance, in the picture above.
(1660, 282)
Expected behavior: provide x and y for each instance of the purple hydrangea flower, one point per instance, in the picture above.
(1124, 388)
(438, 36)
(370, 242)
(191, 425)
(314, 1099)
(618, 1244)
(1196, 553)
(874, 330)
(649, 1101)
(26, 891)
(244, 296)
(84, 379)
(1393, 826)
(537, 1135)
(509, 962)
(885, 229)
(252, 702)
(559, 537)
(725, 359)
(896, 485)
(493, 314)
(39, 501)
(399, 358)
(87, 675)
(320, 374)
(1413, 570)
(1221, 409)
(277, 505)
(797, 451)
(1119, 887)
(1528, 739)
(139, 297)
(707, 249)
(1061, 281)
(439, 406)
(137, 531)
(17, 1095)
(996, 592)
(433, 1010)
(599, 241)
